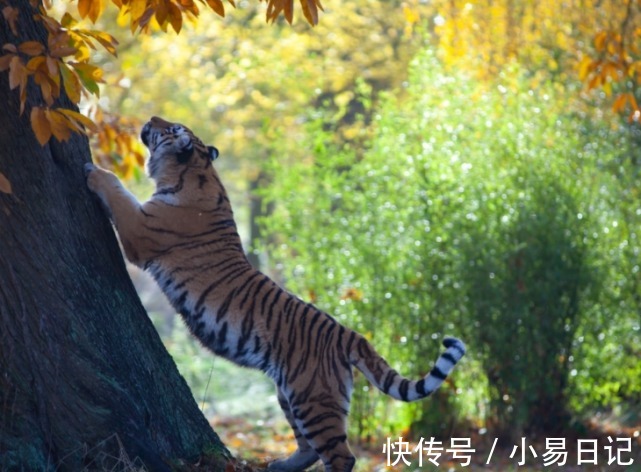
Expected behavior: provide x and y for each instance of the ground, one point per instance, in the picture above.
(257, 444)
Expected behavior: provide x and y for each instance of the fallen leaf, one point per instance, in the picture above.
(5, 185)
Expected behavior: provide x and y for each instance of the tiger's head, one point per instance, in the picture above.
(173, 147)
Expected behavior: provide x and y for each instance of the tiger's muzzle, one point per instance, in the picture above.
(154, 122)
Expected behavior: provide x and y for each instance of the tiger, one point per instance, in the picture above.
(185, 235)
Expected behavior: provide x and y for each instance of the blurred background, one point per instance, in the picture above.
(419, 169)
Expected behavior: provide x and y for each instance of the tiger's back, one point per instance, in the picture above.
(186, 237)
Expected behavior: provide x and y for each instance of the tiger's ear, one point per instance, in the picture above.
(213, 153)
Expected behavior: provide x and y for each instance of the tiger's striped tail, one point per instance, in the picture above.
(387, 380)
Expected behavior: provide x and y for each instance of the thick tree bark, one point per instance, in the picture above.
(84, 378)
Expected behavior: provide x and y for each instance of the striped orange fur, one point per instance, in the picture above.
(185, 236)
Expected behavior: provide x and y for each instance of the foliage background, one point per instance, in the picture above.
(420, 169)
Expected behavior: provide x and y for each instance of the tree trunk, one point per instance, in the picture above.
(85, 382)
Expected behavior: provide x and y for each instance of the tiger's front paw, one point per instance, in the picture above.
(88, 168)
(91, 174)
(97, 178)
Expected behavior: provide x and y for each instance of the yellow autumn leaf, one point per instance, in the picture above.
(5, 185)
(189, 6)
(274, 7)
(5, 61)
(613, 71)
(31, 48)
(143, 23)
(88, 70)
(63, 51)
(310, 11)
(35, 63)
(95, 10)
(289, 11)
(614, 45)
(97, 113)
(216, 5)
(106, 40)
(71, 83)
(122, 144)
(162, 11)
(17, 73)
(175, 18)
(83, 52)
(11, 14)
(585, 67)
(68, 21)
(52, 67)
(89, 75)
(352, 294)
(110, 133)
(82, 119)
(60, 126)
(599, 40)
(48, 88)
(411, 15)
(137, 9)
(40, 125)
(23, 99)
(75, 126)
(84, 6)
(139, 158)
(596, 81)
(633, 103)
(620, 102)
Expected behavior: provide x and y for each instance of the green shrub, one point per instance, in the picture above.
(472, 212)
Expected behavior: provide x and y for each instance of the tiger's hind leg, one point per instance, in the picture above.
(324, 426)
(304, 456)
